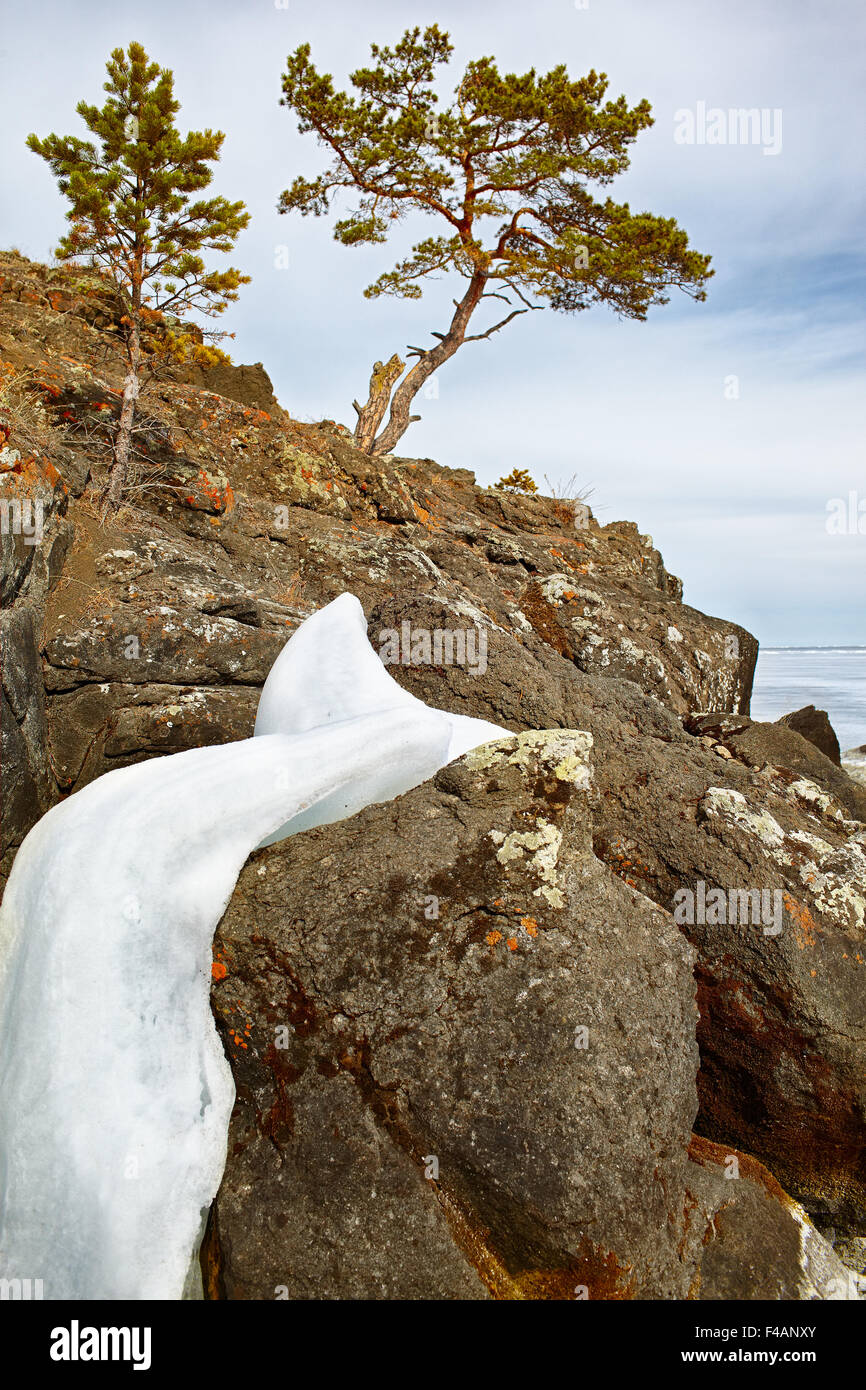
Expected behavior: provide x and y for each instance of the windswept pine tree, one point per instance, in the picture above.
(506, 168)
(134, 216)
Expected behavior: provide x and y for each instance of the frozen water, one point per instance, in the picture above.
(115, 1095)
(328, 673)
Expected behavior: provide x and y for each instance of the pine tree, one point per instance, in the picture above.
(518, 150)
(132, 216)
(518, 480)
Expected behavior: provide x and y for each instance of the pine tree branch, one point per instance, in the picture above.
(477, 337)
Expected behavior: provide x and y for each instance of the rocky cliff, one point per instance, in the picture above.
(472, 1030)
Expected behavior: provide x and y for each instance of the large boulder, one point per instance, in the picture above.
(756, 1243)
(463, 1056)
(814, 724)
(682, 816)
(464, 1052)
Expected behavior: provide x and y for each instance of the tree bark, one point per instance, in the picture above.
(399, 418)
(120, 467)
(370, 416)
(119, 475)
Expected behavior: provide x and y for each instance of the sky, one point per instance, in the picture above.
(732, 431)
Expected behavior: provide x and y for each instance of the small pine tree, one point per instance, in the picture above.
(518, 480)
(132, 216)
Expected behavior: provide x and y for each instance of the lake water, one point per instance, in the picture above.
(832, 678)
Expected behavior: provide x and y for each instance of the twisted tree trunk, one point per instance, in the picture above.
(383, 378)
(370, 415)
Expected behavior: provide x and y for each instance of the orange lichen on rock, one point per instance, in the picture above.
(805, 925)
(218, 969)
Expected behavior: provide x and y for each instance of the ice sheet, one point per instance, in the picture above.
(115, 1094)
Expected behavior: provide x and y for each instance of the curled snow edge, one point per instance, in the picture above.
(115, 1094)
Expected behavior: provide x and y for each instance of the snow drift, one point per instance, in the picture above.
(115, 1094)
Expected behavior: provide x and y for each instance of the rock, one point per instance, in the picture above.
(248, 385)
(34, 538)
(353, 964)
(757, 1244)
(851, 1250)
(156, 633)
(814, 724)
(26, 781)
(625, 633)
(101, 726)
(144, 666)
(854, 764)
(782, 1020)
(163, 644)
(340, 1213)
(276, 504)
(779, 745)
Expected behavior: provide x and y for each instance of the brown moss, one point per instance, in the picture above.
(543, 617)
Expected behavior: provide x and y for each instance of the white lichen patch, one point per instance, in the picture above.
(561, 588)
(123, 564)
(564, 752)
(631, 651)
(810, 795)
(813, 843)
(116, 555)
(519, 621)
(834, 877)
(540, 848)
(731, 806)
(558, 589)
(839, 885)
(653, 667)
(425, 566)
(464, 609)
(590, 597)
